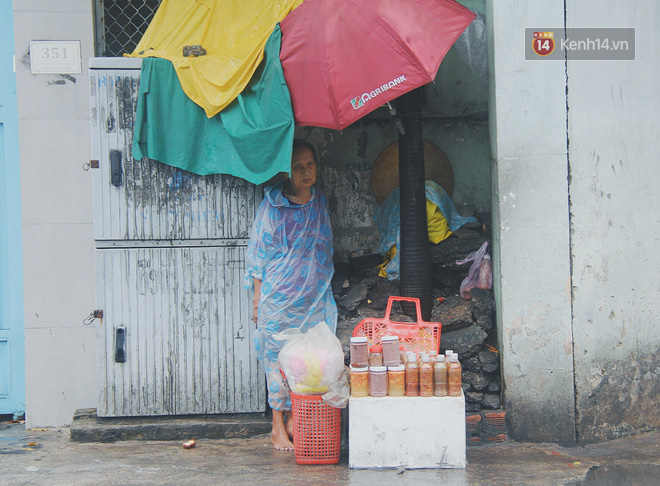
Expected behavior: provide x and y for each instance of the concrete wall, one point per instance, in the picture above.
(531, 221)
(575, 148)
(57, 216)
(613, 127)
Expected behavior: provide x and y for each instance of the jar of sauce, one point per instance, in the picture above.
(391, 356)
(412, 377)
(440, 377)
(426, 377)
(359, 351)
(377, 381)
(403, 356)
(454, 377)
(359, 382)
(396, 380)
(376, 355)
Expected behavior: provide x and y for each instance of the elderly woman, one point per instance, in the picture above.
(289, 264)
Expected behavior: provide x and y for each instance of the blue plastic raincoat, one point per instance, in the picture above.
(290, 251)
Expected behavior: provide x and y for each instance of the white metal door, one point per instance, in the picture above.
(176, 332)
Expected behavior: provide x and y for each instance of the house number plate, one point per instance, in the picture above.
(55, 57)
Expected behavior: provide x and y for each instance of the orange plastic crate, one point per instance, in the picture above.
(420, 337)
(316, 430)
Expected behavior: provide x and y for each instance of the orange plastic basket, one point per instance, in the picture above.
(420, 337)
(316, 430)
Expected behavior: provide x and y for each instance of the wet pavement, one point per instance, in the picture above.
(47, 456)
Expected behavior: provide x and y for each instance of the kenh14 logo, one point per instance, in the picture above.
(543, 43)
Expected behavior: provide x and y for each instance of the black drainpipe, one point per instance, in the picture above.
(415, 253)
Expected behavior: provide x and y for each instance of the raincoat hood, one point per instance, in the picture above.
(276, 197)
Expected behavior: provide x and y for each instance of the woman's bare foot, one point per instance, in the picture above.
(281, 441)
(279, 436)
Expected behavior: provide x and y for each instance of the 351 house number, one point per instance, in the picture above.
(55, 57)
(54, 53)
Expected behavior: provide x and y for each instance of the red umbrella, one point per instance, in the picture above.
(344, 58)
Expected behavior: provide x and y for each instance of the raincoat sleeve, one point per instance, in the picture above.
(265, 239)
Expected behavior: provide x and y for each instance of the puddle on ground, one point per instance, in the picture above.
(14, 439)
(630, 475)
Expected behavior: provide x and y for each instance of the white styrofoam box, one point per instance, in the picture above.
(411, 432)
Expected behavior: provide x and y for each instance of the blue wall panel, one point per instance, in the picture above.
(12, 339)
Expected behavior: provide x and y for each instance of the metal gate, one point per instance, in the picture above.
(176, 333)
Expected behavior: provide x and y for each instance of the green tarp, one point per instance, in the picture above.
(251, 138)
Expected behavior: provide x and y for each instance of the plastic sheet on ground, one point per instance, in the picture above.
(442, 218)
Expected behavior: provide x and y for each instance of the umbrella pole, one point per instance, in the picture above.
(415, 253)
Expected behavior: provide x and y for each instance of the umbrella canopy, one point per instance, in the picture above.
(343, 59)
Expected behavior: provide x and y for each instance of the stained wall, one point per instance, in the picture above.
(576, 199)
(613, 124)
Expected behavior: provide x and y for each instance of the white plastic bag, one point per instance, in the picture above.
(312, 362)
(471, 46)
(480, 274)
(339, 392)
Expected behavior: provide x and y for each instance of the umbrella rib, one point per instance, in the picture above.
(331, 75)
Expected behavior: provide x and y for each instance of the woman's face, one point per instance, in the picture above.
(303, 168)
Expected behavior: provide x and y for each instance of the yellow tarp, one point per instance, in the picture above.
(234, 34)
(438, 228)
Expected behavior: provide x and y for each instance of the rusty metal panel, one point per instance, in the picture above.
(170, 260)
(150, 200)
(188, 333)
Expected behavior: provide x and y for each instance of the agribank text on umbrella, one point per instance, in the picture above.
(361, 100)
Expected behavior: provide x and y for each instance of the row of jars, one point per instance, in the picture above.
(388, 353)
(377, 373)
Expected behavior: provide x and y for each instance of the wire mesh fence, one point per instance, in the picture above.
(120, 24)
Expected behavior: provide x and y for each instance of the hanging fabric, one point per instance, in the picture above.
(251, 138)
(233, 34)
